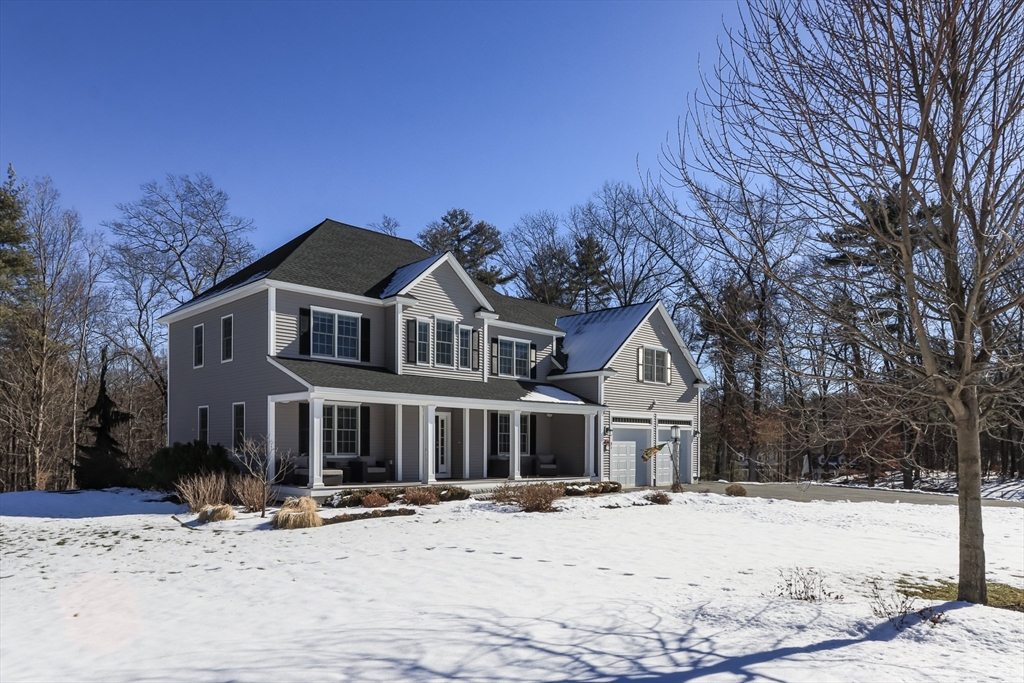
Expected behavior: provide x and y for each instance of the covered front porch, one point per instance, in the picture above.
(327, 440)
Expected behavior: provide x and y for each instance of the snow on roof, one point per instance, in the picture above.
(546, 394)
(404, 276)
(591, 339)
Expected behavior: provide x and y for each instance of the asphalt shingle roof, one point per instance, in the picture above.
(369, 378)
(352, 260)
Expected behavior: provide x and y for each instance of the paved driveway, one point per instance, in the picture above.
(809, 492)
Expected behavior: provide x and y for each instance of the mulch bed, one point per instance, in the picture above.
(373, 514)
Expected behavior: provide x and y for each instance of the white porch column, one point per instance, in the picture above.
(428, 474)
(465, 443)
(316, 443)
(271, 439)
(589, 445)
(398, 441)
(514, 466)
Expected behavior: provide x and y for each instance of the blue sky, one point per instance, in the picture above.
(302, 111)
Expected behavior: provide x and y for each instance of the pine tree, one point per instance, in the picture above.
(102, 465)
(474, 244)
(591, 279)
(15, 260)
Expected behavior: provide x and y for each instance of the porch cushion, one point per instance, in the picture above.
(545, 460)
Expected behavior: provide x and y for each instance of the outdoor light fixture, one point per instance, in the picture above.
(607, 431)
(675, 432)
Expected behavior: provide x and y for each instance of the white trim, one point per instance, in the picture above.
(389, 398)
(222, 319)
(401, 300)
(399, 408)
(288, 372)
(485, 350)
(271, 439)
(607, 372)
(486, 315)
(449, 258)
(519, 327)
(288, 398)
(515, 453)
(588, 458)
(399, 335)
(335, 312)
(245, 418)
(316, 443)
(272, 321)
(430, 341)
(194, 366)
(319, 291)
(446, 415)
(455, 341)
(199, 410)
(219, 299)
(465, 443)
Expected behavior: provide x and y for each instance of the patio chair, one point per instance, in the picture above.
(546, 466)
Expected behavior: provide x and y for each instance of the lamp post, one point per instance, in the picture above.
(675, 456)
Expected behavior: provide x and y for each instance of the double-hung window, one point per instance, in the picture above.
(466, 348)
(655, 365)
(444, 342)
(524, 434)
(335, 335)
(513, 358)
(504, 433)
(227, 338)
(340, 430)
(423, 342)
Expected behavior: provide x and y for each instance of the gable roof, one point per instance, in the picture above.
(407, 277)
(592, 339)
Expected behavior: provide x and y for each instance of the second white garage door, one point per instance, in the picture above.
(624, 463)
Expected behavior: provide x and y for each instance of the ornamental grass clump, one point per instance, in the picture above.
(297, 513)
(374, 500)
(421, 497)
(658, 498)
(735, 490)
(215, 513)
(199, 491)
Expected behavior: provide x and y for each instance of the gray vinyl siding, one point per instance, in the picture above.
(543, 341)
(248, 378)
(584, 387)
(568, 443)
(442, 293)
(410, 443)
(287, 427)
(476, 444)
(625, 392)
(378, 428)
(287, 322)
(543, 433)
(388, 436)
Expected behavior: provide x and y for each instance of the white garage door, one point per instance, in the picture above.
(663, 460)
(624, 463)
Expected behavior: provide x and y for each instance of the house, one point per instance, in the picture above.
(371, 359)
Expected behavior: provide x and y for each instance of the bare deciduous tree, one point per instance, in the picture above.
(837, 103)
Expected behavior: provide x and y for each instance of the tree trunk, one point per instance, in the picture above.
(972, 586)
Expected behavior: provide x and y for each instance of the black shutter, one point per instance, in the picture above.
(476, 350)
(494, 355)
(533, 435)
(303, 429)
(364, 340)
(304, 333)
(364, 430)
(494, 434)
(533, 361)
(410, 341)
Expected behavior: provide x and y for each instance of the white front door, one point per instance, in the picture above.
(442, 444)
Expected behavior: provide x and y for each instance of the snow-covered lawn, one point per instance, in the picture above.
(105, 586)
(943, 483)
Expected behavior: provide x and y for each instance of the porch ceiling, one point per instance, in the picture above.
(368, 378)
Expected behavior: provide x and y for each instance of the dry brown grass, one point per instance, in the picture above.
(505, 495)
(201, 490)
(297, 513)
(658, 498)
(425, 496)
(374, 500)
(250, 492)
(735, 490)
(216, 513)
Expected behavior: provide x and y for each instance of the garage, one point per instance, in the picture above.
(630, 436)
